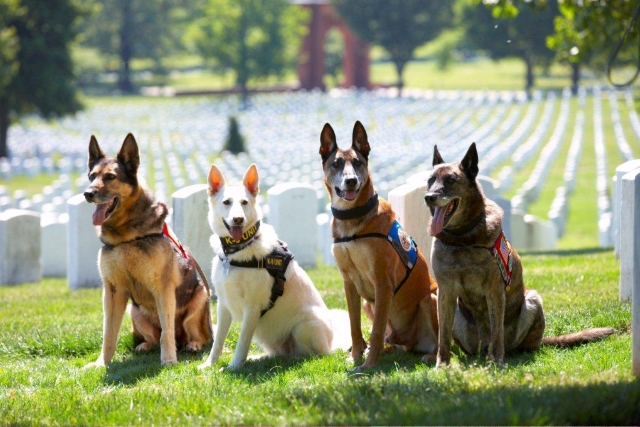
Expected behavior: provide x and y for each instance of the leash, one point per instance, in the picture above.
(618, 47)
(275, 263)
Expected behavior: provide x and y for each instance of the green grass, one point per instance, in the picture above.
(48, 333)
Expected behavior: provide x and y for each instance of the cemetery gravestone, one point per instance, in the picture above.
(19, 247)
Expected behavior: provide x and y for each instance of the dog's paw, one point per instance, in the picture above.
(204, 365)
(96, 364)
(143, 347)
(194, 346)
(169, 361)
(360, 370)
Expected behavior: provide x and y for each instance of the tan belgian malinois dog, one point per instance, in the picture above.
(378, 260)
(142, 261)
(482, 301)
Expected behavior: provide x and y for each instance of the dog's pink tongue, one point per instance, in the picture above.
(100, 214)
(236, 232)
(437, 221)
(349, 194)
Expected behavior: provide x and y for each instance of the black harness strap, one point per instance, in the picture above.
(276, 264)
(380, 236)
(358, 211)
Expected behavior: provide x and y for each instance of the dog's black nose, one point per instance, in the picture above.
(351, 182)
(237, 220)
(430, 198)
(88, 196)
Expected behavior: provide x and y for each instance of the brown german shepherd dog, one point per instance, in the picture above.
(477, 268)
(142, 260)
(378, 261)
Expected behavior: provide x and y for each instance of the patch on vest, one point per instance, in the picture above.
(403, 244)
(504, 258)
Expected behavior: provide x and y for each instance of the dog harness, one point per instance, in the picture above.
(400, 240)
(276, 264)
(501, 251)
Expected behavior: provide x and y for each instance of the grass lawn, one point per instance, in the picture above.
(48, 333)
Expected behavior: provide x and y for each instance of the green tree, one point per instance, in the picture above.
(136, 29)
(234, 141)
(505, 31)
(586, 33)
(43, 81)
(254, 38)
(398, 26)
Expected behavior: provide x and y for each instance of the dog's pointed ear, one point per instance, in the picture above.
(129, 154)
(328, 144)
(470, 162)
(360, 142)
(251, 180)
(95, 152)
(216, 180)
(437, 158)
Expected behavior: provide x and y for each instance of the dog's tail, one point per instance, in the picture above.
(577, 338)
(341, 328)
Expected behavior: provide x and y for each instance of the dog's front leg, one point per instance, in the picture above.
(224, 324)
(114, 303)
(446, 314)
(496, 305)
(167, 312)
(383, 296)
(250, 319)
(353, 307)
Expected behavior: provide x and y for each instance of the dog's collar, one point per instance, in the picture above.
(464, 230)
(231, 246)
(167, 232)
(358, 211)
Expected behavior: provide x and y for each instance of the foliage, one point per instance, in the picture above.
(9, 43)
(129, 29)
(333, 54)
(505, 31)
(48, 333)
(234, 141)
(44, 82)
(254, 38)
(399, 26)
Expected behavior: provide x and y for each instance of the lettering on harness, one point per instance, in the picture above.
(251, 231)
(275, 262)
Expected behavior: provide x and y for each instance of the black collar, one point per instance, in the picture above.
(146, 236)
(358, 211)
(464, 230)
(230, 246)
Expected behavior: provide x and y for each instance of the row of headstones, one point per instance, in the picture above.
(602, 188)
(35, 245)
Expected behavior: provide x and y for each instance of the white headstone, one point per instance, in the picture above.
(54, 245)
(83, 245)
(630, 257)
(292, 212)
(19, 247)
(413, 214)
(189, 222)
(629, 235)
(325, 239)
(490, 190)
(621, 170)
(542, 235)
(519, 237)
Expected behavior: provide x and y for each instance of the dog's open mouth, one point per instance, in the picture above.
(103, 210)
(348, 195)
(441, 215)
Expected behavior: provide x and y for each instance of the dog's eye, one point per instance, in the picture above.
(226, 202)
(356, 162)
(450, 180)
(431, 180)
(92, 177)
(336, 163)
(244, 203)
(109, 177)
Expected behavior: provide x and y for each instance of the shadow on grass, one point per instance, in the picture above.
(138, 366)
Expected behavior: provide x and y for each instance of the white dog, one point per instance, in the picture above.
(259, 284)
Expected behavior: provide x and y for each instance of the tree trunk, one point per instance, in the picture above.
(575, 78)
(4, 129)
(126, 49)
(530, 77)
(399, 71)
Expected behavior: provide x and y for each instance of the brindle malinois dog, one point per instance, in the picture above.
(378, 260)
(482, 300)
(142, 260)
